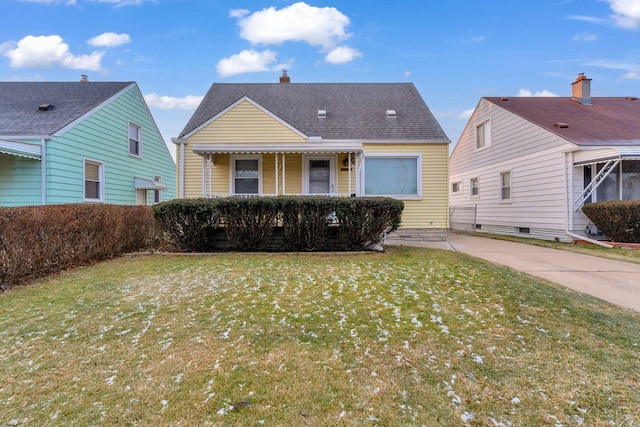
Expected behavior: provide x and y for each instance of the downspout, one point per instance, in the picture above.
(569, 215)
(182, 171)
(181, 143)
(43, 173)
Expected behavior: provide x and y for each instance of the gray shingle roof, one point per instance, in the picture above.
(19, 102)
(355, 111)
(607, 121)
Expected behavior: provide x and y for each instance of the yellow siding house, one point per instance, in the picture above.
(338, 139)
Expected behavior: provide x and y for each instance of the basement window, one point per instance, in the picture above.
(524, 230)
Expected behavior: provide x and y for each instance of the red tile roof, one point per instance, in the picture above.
(607, 121)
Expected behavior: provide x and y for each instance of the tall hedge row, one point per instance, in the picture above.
(40, 240)
(618, 220)
(307, 222)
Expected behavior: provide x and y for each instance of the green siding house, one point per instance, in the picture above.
(80, 142)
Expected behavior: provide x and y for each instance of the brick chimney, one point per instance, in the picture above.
(284, 78)
(581, 90)
(84, 78)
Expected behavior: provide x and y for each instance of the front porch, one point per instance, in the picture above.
(318, 169)
(602, 174)
(609, 174)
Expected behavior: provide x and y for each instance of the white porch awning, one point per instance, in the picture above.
(314, 147)
(21, 149)
(603, 154)
(147, 184)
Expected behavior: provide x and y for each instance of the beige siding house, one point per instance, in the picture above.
(528, 165)
(338, 139)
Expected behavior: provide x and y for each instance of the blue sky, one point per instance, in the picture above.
(454, 51)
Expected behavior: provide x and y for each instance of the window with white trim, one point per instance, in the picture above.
(246, 171)
(456, 187)
(505, 186)
(483, 135)
(474, 188)
(93, 181)
(157, 194)
(393, 175)
(135, 140)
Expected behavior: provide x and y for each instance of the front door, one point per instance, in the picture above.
(319, 176)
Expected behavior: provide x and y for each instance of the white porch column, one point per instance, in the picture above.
(349, 169)
(284, 190)
(204, 175)
(211, 163)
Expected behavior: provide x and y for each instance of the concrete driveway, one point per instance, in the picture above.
(614, 281)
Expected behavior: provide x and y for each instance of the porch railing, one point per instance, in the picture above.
(593, 185)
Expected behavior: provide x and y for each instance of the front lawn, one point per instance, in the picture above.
(409, 337)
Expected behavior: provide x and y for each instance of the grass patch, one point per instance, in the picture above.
(618, 254)
(410, 337)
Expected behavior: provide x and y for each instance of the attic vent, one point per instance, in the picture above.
(45, 107)
(322, 114)
(561, 125)
(631, 98)
(503, 99)
(391, 114)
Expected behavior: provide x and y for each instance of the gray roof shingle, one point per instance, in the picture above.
(355, 111)
(607, 121)
(19, 102)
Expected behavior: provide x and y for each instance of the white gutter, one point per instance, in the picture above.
(587, 239)
(181, 143)
(43, 169)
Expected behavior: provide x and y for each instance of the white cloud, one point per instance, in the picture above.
(189, 102)
(626, 13)
(325, 27)
(477, 39)
(342, 54)
(632, 70)
(540, 93)
(69, 2)
(73, 2)
(118, 3)
(248, 61)
(48, 51)
(238, 13)
(590, 19)
(406, 74)
(585, 37)
(466, 114)
(110, 40)
(631, 76)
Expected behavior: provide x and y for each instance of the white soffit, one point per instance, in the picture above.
(322, 147)
(597, 155)
(21, 149)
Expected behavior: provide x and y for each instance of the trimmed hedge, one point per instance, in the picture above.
(364, 222)
(190, 224)
(618, 220)
(39, 240)
(307, 222)
(248, 221)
